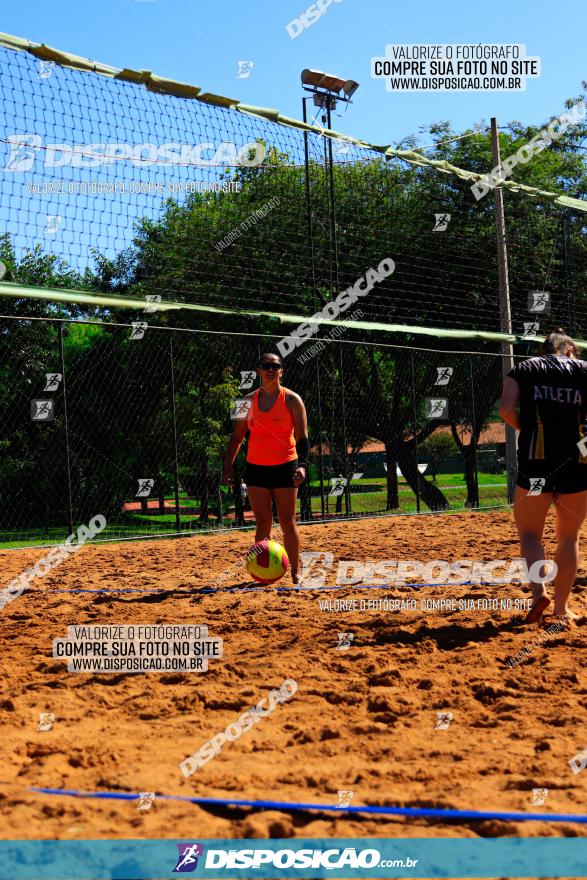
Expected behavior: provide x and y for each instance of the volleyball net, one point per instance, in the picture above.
(103, 418)
(123, 182)
(156, 238)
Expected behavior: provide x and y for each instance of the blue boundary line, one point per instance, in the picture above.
(157, 590)
(130, 590)
(283, 805)
(294, 589)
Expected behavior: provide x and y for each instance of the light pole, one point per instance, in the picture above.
(326, 90)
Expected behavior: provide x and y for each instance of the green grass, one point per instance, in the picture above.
(123, 529)
(492, 491)
(374, 502)
(441, 480)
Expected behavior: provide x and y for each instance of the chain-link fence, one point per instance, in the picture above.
(223, 213)
(131, 423)
(198, 202)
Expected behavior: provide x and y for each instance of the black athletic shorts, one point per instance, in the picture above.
(564, 478)
(274, 476)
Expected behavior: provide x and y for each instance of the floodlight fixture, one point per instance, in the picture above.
(327, 88)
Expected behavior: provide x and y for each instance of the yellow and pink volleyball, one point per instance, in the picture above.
(267, 561)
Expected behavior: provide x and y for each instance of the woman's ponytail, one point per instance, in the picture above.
(557, 342)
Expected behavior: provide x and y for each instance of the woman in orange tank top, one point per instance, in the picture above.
(276, 457)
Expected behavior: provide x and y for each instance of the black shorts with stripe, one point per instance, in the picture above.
(566, 477)
(273, 476)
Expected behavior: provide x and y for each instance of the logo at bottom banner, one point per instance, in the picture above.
(328, 859)
(187, 860)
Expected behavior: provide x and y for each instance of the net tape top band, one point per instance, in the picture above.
(18, 291)
(163, 85)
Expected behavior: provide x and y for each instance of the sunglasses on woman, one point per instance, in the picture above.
(266, 365)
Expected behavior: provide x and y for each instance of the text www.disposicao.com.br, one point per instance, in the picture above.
(135, 664)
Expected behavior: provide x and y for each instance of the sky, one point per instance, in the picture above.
(202, 43)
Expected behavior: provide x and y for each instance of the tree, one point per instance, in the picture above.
(436, 447)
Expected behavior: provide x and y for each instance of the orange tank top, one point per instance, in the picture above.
(271, 438)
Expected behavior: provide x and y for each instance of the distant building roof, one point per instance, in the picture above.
(493, 433)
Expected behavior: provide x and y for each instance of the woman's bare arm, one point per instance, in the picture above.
(510, 398)
(234, 444)
(300, 419)
(297, 409)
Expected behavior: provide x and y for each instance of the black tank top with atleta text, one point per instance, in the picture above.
(553, 408)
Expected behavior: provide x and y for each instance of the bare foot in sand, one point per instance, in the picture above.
(537, 610)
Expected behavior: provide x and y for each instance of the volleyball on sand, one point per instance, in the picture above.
(267, 561)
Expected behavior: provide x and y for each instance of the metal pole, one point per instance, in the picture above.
(474, 430)
(332, 203)
(415, 432)
(321, 452)
(507, 350)
(347, 488)
(569, 273)
(335, 284)
(309, 204)
(315, 299)
(174, 420)
(66, 427)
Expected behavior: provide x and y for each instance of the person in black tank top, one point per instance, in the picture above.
(553, 409)
(545, 399)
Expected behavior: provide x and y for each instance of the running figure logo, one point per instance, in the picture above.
(341, 146)
(145, 486)
(344, 798)
(539, 301)
(146, 799)
(536, 485)
(444, 374)
(52, 381)
(344, 641)
(436, 408)
(54, 221)
(23, 150)
(539, 795)
(338, 486)
(244, 69)
(46, 720)
(443, 720)
(46, 69)
(316, 565)
(531, 328)
(247, 379)
(578, 762)
(42, 410)
(152, 299)
(138, 329)
(240, 409)
(187, 861)
(441, 222)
